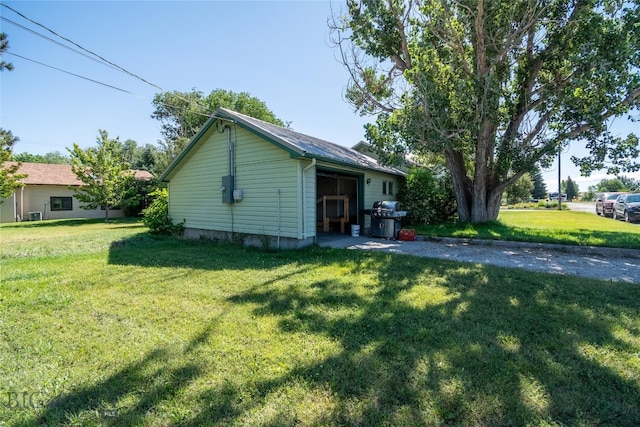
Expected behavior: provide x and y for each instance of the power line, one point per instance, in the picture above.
(55, 42)
(68, 72)
(84, 49)
(101, 60)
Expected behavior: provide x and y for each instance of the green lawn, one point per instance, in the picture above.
(102, 324)
(546, 226)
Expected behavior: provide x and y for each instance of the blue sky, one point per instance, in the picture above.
(279, 52)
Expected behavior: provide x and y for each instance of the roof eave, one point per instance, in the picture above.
(353, 165)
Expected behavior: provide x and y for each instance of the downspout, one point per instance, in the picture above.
(15, 207)
(22, 202)
(304, 199)
(230, 162)
(230, 149)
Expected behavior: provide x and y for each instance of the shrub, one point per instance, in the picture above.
(428, 198)
(156, 216)
(520, 190)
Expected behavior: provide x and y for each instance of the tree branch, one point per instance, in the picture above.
(402, 64)
(577, 131)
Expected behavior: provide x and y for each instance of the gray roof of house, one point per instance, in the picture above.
(297, 144)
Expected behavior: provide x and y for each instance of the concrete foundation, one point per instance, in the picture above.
(253, 240)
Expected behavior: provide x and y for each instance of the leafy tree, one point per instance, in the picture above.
(9, 178)
(182, 114)
(4, 45)
(140, 157)
(136, 196)
(630, 183)
(619, 183)
(520, 190)
(105, 173)
(611, 185)
(570, 188)
(495, 86)
(539, 186)
(148, 159)
(589, 195)
(130, 151)
(54, 157)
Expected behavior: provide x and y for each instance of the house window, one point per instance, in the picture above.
(387, 187)
(61, 203)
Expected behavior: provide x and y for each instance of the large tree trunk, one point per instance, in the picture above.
(486, 205)
(493, 205)
(455, 163)
(478, 201)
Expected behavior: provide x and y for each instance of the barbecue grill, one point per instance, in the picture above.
(385, 219)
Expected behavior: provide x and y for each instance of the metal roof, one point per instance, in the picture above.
(310, 146)
(296, 143)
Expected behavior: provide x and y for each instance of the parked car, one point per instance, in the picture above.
(627, 207)
(605, 202)
(554, 196)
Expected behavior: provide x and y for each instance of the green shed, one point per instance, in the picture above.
(247, 180)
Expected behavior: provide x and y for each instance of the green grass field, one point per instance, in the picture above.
(545, 226)
(103, 324)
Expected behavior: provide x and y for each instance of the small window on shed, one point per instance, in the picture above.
(387, 187)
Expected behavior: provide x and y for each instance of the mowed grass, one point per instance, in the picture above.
(103, 324)
(545, 226)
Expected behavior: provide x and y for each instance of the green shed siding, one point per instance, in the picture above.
(261, 169)
(277, 171)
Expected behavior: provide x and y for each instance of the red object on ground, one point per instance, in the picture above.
(407, 234)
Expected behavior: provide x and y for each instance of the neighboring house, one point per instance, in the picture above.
(48, 194)
(247, 180)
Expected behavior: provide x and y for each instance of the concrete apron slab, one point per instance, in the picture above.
(601, 263)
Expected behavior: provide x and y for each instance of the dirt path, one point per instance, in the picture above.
(599, 263)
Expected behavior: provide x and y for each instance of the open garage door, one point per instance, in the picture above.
(337, 201)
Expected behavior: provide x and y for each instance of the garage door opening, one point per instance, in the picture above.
(337, 201)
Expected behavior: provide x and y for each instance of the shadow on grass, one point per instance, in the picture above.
(429, 342)
(148, 250)
(72, 222)
(147, 383)
(501, 351)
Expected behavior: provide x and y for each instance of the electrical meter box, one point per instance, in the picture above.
(227, 189)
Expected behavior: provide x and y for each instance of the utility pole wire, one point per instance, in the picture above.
(55, 42)
(101, 60)
(84, 49)
(68, 72)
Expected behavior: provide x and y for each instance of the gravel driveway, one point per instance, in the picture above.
(620, 265)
